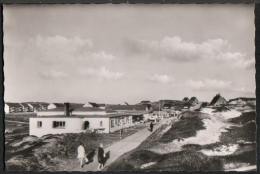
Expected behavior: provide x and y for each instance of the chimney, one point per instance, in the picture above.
(66, 109)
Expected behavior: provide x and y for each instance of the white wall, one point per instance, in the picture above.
(7, 111)
(94, 123)
(118, 127)
(51, 106)
(72, 125)
(49, 113)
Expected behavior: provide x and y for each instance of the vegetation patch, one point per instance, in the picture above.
(184, 128)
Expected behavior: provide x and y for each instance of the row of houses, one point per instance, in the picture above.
(25, 107)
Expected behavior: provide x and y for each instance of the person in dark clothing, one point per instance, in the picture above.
(101, 157)
(151, 126)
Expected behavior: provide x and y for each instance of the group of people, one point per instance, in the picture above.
(83, 158)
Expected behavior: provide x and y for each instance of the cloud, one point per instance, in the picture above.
(175, 49)
(161, 78)
(102, 56)
(102, 73)
(208, 84)
(53, 74)
(63, 49)
(245, 63)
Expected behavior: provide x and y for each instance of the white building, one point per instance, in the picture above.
(55, 105)
(13, 107)
(43, 125)
(68, 119)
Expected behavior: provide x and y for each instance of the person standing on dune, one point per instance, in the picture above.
(82, 155)
(101, 157)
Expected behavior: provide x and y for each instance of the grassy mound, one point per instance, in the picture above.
(244, 118)
(178, 161)
(186, 127)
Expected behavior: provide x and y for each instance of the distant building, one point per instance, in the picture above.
(242, 101)
(26, 107)
(218, 100)
(193, 101)
(43, 106)
(185, 99)
(13, 107)
(34, 106)
(95, 105)
(55, 105)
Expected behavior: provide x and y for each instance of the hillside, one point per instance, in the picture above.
(209, 140)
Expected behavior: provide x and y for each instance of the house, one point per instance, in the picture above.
(55, 105)
(13, 107)
(193, 101)
(26, 107)
(34, 106)
(242, 101)
(43, 106)
(185, 99)
(69, 122)
(96, 105)
(218, 100)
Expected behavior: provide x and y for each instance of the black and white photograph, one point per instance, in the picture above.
(129, 87)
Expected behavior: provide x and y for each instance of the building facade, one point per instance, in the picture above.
(43, 125)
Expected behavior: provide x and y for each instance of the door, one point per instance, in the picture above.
(86, 125)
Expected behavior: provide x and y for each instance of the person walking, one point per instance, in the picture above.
(82, 155)
(101, 157)
(151, 126)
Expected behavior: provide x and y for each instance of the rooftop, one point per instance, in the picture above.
(87, 116)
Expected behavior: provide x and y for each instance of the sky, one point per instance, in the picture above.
(128, 53)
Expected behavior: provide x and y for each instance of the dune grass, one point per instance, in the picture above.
(190, 158)
(186, 127)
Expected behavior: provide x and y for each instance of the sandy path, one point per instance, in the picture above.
(116, 150)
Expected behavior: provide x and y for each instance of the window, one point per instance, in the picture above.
(101, 123)
(58, 124)
(39, 124)
(112, 123)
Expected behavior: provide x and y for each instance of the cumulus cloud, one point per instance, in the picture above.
(66, 49)
(174, 48)
(102, 73)
(208, 84)
(102, 56)
(161, 78)
(53, 74)
(245, 63)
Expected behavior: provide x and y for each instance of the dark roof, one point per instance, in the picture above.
(185, 99)
(193, 99)
(59, 104)
(145, 102)
(76, 105)
(86, 116)
(97, 104)
(36, 105)
(126, 107)
(25, 104)
(13, 104)
(216, 99)
(44, 104)
(242, 98)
